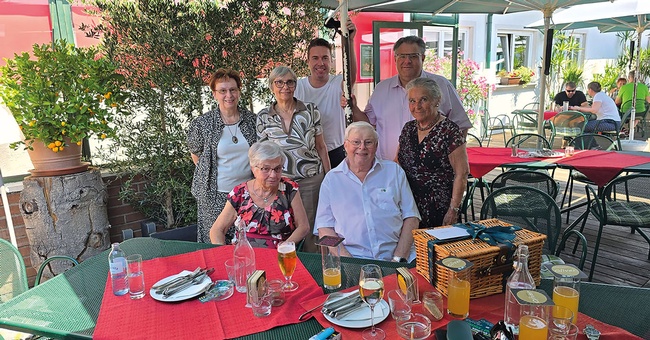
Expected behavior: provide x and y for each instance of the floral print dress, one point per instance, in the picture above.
(428, 169)
(266, 226)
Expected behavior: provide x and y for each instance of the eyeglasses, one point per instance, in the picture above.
(289, 83)
(409, 56)
(569, 91)
(224, 91)
(366, 143)
(266, 170)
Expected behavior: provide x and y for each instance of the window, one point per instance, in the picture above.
(433, 35)
(514, 50)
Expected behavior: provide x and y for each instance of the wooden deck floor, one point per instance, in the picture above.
(622, 257)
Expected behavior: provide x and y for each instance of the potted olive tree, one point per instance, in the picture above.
(60, 94)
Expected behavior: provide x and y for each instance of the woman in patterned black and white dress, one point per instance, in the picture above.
(296, 127)
(219, 141)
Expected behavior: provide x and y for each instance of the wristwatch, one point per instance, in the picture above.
(454, 209)
(591, 333)
(399, 259)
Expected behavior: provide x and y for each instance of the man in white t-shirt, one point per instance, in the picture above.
(325, 90)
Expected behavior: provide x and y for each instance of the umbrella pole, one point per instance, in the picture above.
(345, 40)
(639, 31)
(542, 77)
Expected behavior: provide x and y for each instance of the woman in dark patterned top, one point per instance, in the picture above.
(296, 127)
(433, 155)
(219, 141)
(269, 204)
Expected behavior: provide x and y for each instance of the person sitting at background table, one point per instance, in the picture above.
(625, 94)
(368, 202)
(571, 95)
(269, 204)
(607, 117)
(296, 127)
(613, 93)
(218, 141)
(432, 153)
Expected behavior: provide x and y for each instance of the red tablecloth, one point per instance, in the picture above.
(549, 114)
(483, 160)
(123, 318)
(602, 166)
(489, 308)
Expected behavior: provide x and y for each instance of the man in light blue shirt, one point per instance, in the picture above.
(368, 201)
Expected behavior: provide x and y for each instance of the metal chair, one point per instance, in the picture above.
(587, 141)
(531, 141)
(531, 106)
(534, 210)
(625, 201)
(534, 179)
(496, 125)
(616, 134)
(525, 121)
(13, 274)
(472, 184)
(567, 124)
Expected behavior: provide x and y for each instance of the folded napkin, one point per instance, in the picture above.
(363, 313)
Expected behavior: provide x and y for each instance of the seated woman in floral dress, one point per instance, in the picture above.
(269, 204)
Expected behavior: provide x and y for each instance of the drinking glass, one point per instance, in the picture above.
(566, 292)
(560, 320)
(400, 306)
(276, 289)
(570, 334)
(458, 292)
(287, 259)
(331, 260)
(262, 302)
(533, 324)
(415, 327)
(136, 276)
(433, 304)
(413, 291)
(371, 289)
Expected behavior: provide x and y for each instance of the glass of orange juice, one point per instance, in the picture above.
(566, 286)
(458, 286)
(535, 308)
(331, 259)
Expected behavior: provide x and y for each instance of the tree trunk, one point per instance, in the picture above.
(65, 215)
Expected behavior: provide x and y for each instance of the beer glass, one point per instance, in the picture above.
(287, 259)
(371, 288)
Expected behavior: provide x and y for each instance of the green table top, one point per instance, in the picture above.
(67, 306)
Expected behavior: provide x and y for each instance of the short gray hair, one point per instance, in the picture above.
(411, 39)
(428, 84)
(280, 71)
(264, 151)
(360, 126)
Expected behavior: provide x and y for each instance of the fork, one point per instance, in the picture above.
(177, 280)
(195, 281)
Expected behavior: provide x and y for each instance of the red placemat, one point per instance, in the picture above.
(549, 114)
(123, 318)
(602, 166)
(489, 308)
(483, 160)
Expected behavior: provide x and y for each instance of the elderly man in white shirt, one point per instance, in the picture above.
(368, 202)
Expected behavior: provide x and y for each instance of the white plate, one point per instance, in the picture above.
(385, 311)
(190, 292)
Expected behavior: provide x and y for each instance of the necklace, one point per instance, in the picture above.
(234, 135)
(265, 199)
(429, 126)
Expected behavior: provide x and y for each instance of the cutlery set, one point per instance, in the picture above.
(184, 282)
(341, 305)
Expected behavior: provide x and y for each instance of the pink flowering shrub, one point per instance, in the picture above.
(472, 88)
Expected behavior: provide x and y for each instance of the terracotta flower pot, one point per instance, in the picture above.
(49, 163)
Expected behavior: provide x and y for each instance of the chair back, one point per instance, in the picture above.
(568, 123)
(528, 208)
(525, 121)
(531, 141)
(13, 276)
(472, 140)
(592, 141)
(532, 106)
(534, 179)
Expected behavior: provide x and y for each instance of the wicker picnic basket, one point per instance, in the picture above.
(484, 280)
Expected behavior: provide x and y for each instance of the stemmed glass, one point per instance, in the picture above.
(287, 260)
(371, 288)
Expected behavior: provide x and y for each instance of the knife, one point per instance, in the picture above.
(352, 308)
(182, 280)
(195, 281)
(342, 301)
(349, 304)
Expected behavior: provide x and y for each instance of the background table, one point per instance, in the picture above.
(67, 305)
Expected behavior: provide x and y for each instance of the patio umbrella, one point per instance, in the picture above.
(547, 7)
(624, 15)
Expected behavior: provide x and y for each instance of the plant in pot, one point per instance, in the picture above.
(59, 95)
